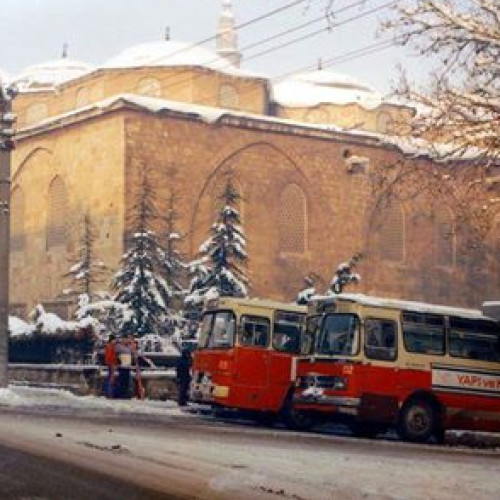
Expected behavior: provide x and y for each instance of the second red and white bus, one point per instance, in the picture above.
(382, 363)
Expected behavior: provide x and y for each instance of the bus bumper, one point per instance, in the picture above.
(341, 404)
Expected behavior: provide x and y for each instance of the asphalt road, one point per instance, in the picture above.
(50, 455)
(26, 476)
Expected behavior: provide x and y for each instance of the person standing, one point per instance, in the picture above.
(124, 352)
(111, 361)
(183, 370)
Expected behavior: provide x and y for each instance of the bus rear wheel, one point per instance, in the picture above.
(417, 421)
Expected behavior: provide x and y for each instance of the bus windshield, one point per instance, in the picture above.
(339, 335)
(310, 333)
(217, 330)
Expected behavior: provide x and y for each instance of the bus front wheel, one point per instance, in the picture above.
(417, 421)
(294, 419)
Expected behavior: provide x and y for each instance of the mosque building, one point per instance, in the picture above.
(302, 152)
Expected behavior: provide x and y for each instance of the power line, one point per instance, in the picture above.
(181, 81)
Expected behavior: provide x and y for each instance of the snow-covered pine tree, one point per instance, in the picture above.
(223, 255)
(140, 282)
(344, 275)
(87, 271)
(173, 259)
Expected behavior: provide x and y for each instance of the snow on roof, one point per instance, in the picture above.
(406, 305)
(325, 87)
(209, 114)
(172, 53)
(50, 73)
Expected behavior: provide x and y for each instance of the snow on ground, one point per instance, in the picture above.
(40, 398)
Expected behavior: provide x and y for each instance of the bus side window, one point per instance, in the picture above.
(254, 331)
(380, 339)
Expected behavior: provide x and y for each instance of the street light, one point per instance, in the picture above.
(7, 120)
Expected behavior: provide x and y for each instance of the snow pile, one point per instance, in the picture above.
(19, 328)
(325, 87)
(21, 396)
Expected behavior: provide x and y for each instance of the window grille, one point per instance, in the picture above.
(391, 233)
(18, 204)
(228, 97)
(444, 238)
(292, 220)
(57, 211)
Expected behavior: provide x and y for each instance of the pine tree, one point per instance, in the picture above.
(223, 255)
(173, 260)
(139, 282)
(87, 271)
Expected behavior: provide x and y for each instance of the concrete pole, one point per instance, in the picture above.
(6, 145)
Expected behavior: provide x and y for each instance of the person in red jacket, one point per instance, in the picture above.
(111, 361)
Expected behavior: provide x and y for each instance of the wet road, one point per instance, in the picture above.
(55, 454)
(25, 476)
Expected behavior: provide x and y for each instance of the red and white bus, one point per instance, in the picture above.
(383, 363)
(245, 356)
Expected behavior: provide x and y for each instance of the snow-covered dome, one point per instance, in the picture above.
(51, 73)
(4, 78)
(325, 87)
(169, 53)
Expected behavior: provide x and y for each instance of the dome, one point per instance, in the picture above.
(169, 53)
(325, 87)
(50, 73)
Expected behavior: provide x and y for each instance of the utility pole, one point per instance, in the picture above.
(7, 120)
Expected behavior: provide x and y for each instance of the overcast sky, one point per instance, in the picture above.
(33, 31)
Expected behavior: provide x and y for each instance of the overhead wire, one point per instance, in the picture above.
(363, 14)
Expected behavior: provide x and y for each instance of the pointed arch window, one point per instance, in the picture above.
(391, 233)
(292, 219)
(149, 87)
(445, 238)
(18, 206)
(228, 96)
(56, 230)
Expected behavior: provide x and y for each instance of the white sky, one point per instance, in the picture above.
(33, 31)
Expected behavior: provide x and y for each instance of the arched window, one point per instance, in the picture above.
(292, 219)
(391, 233)
(317, 115)
(385, 123)
(37, 112)
(445, 238)
(228, 97)
(18, 207)
(149, 87)
(82, 97)
(56, 231)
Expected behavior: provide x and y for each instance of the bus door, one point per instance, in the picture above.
(252, 359)
(379, 384)
(286, 344)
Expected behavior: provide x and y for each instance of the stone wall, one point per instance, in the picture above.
(85, 380)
